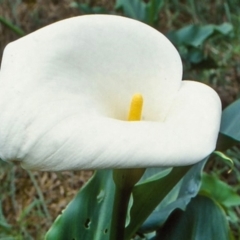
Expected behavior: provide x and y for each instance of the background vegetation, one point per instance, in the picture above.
(207, 35)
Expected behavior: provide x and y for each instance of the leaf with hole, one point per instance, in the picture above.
(88, 216)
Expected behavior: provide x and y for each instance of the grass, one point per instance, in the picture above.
(30, 201)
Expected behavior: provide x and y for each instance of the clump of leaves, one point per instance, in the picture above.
(190, 41)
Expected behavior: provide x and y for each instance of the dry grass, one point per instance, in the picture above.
(32, 200)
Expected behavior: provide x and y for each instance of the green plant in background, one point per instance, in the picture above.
(140, 10)
(136, 9)
(190, 42)
(193, 197)
(121, 203)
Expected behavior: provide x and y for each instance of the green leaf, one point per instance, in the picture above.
(203, 219)
(147, 196)
(179, 197)
(190, 42)
(230, 122)
(139, 10)
(153, 8)
(195, 35)
(224, 28)
(153, 174)
(135, 9)
(88, 216)
(191, 35)
(219, 191)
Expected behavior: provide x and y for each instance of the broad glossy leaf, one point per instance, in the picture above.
(147, 196)
(179, 197)
(203, 219)
(88, 216)
(230, 123)
(220, 191)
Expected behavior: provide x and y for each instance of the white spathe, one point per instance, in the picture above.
(65, 93)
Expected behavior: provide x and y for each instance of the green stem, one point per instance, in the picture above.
(120, 207)
(124, 180)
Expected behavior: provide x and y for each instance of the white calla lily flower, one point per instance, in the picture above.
(65, 93)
